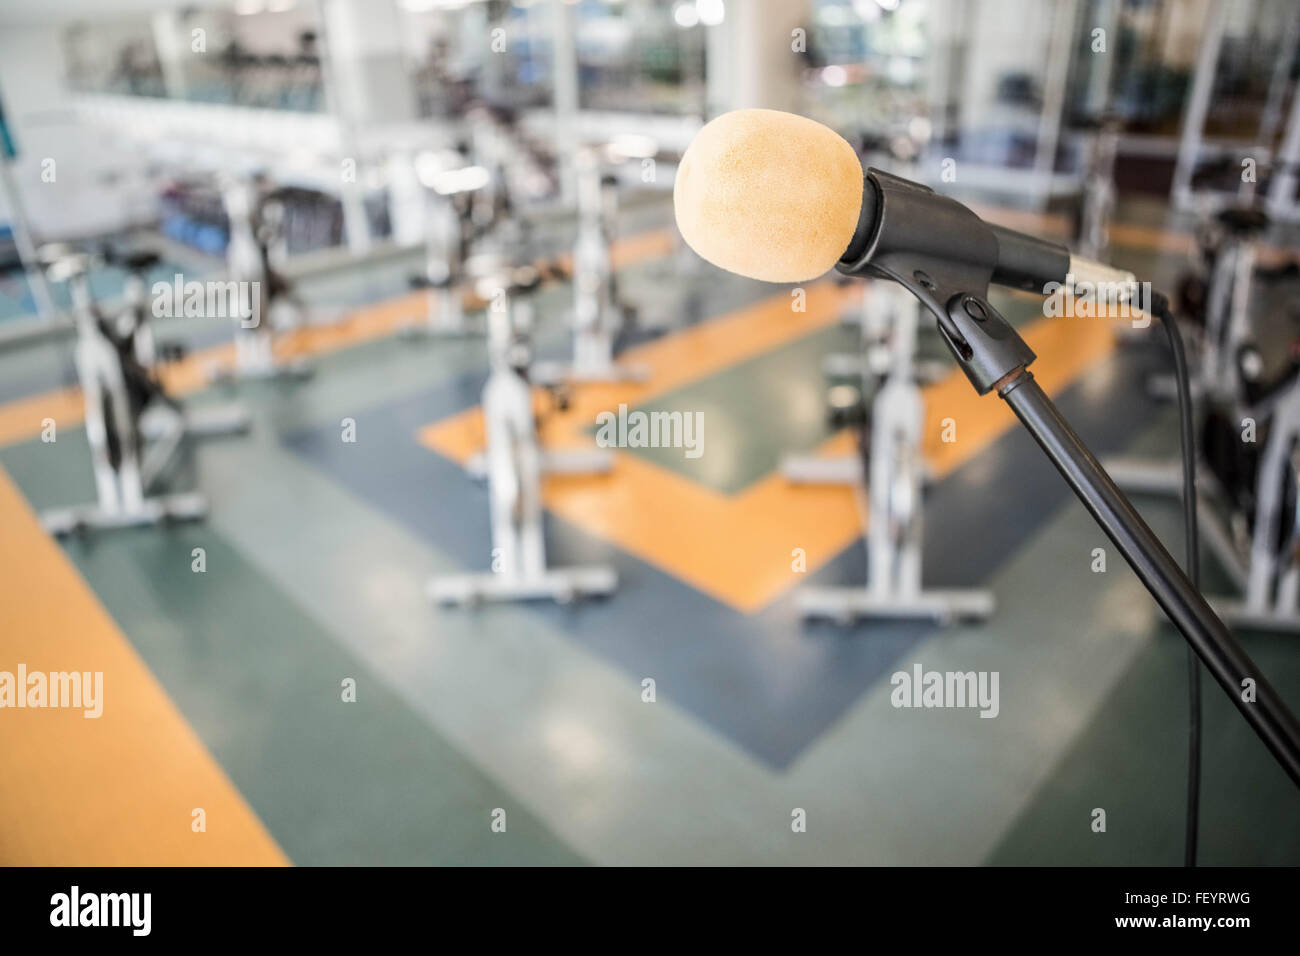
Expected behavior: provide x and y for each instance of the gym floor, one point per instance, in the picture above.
(223, 687)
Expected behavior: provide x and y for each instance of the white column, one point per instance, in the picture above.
(365, 49)
(564, 86)
(718, 66)
(751, 60)
(366, 83)
(1099, 80)
(1198, 103)
(1059, 53)
(173, 46)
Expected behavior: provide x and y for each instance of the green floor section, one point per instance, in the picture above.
(335, 782)
(1131, 762)
(776, 402)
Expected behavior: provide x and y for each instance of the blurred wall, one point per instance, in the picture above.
(51, 143)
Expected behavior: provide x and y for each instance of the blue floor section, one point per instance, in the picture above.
(765, 681)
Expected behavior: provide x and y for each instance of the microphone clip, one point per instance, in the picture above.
(987, 347)
(946, 256)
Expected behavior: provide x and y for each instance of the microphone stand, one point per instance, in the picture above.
(947, 256)
(1187, 609)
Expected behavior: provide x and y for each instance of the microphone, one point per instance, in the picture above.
(768, 195)
(782, 198)
(903, 219)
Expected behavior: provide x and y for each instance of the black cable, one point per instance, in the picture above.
(1160, 307)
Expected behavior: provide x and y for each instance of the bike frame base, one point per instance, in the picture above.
(211, 421)
(293, 369)
(154, 510)
(563, 585)
(847, 605)
(556, 373)
(563, 461)
(812, 470)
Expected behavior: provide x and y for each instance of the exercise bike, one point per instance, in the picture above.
(1218, 308)
(514, 464)
(1249, 428)
(1258, 485)
(256, 219)
(1214, 298)
(134, 428)
(871, 316)
(449, 235)
(468, 209)
(1094, 207)
(1249, 493)
(889, 459)
(600, 315)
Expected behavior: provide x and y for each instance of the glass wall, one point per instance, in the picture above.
(246, 55)
(865, 71)
(261, 58)
(451, 51)
(117, 56)
(643, 56)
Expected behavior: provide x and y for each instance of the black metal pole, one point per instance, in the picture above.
(1187, 609)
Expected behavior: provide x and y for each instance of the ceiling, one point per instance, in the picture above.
(19, 12)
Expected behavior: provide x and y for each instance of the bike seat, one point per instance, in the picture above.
(1244, 220)
(171, 351)
(63, 262)
(524, 280)
(423, 282)
(1290, 269)
(555, 270)
(141, 260)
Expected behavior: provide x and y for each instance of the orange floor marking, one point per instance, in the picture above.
(21, 419)
(740, 549)
(118, 790)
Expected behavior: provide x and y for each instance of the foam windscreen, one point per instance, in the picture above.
(768, 195)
